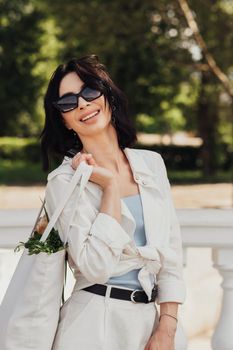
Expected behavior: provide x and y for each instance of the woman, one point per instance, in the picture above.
(123, 235)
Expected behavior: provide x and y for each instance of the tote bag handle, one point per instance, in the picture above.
(83, 172)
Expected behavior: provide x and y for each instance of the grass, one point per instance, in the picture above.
(19, 172)
(16, 141)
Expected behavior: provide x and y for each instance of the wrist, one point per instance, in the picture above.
(167, 324)
(165, 314)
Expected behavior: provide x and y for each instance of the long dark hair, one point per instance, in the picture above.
(56, 140)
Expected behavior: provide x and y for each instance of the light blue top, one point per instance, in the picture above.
(130, 279)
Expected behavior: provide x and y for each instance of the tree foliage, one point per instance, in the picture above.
(146, 45)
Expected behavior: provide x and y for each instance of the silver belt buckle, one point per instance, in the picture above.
(132, 295)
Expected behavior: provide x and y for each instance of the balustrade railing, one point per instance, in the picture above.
(209, 228)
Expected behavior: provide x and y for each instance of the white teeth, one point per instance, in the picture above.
(90, 116)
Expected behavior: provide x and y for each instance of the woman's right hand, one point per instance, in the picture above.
(101, 176)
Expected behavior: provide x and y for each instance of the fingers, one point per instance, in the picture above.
(77, 160)
(90, 159)
(79, 157)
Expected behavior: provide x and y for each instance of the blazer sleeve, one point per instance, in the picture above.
(171, 287)
(95, 239)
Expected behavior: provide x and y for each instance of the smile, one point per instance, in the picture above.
(89, 116)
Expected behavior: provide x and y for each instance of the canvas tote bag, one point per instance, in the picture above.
(29, 312)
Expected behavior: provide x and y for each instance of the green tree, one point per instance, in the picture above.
(20, 34)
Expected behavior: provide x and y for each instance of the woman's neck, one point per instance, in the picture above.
(111, 157)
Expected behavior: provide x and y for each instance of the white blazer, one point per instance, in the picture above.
(100, 247)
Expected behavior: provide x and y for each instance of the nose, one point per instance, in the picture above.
(82, 103)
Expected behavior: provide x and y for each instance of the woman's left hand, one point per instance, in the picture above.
(164, 336)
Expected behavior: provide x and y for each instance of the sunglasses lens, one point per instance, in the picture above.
(90, 94)
(67, 103)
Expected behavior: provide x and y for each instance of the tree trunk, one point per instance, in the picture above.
(207, 126)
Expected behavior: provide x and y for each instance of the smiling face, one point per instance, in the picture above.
(89, 117)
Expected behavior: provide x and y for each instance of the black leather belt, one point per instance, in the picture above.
(136, 296)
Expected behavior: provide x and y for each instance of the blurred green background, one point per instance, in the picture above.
(150, 53)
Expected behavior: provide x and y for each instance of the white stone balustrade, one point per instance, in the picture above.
(214, 228)
(201, 228)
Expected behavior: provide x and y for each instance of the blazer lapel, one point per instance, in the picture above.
(152, 197)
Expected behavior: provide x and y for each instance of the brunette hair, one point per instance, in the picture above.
(56, 140)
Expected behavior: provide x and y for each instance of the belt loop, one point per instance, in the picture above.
(108, 292)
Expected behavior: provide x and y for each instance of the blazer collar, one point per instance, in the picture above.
(137, 162)
(142, 173)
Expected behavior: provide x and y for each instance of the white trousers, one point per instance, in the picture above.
(93, 322)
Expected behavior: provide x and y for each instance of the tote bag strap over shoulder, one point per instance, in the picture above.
(82, 175)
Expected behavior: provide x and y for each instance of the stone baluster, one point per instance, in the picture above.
(223, 335)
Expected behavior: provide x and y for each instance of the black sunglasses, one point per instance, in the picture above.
(69, 101)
